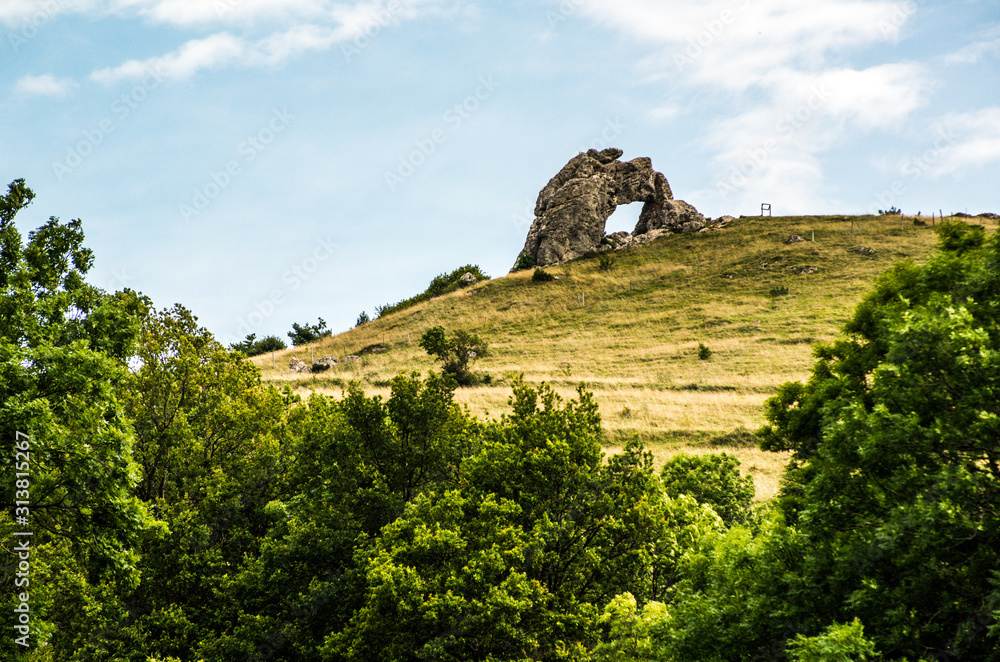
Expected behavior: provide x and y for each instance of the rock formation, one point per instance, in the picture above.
(572, 209)
(328, 361)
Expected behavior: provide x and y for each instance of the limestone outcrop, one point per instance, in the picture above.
(573, 208)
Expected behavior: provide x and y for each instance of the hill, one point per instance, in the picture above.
(631, 331)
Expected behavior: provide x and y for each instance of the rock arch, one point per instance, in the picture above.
(572, 210)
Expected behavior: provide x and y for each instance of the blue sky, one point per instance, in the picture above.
(265, 162)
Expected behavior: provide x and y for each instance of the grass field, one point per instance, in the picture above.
(631, 333)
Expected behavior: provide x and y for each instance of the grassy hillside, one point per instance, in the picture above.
(631, 333)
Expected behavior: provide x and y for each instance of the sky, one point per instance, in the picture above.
(264, 162)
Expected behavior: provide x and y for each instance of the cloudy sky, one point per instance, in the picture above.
(265, 162)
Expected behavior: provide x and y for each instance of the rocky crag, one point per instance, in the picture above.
(573, 208)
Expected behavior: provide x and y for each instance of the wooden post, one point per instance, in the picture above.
(311, 355)
(273, 364)
(814, 235)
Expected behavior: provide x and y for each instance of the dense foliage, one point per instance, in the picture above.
(441, 284)
(182, 510)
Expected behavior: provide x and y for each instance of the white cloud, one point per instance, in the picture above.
(224, 50)
(44, 85)
(18, 13)
(189, 13)
(738, 43)
(339, 23)
(987, 44)
(974, 52)
(780, 64)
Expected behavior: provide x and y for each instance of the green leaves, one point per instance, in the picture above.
(896, 479)
(714, 480)
(455, 353)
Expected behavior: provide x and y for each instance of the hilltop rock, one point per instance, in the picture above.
(468, 278)
(573, 208)
(297, 365)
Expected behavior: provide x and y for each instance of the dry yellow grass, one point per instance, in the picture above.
(631, 334)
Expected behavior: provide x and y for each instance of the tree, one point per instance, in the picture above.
(895, 479)
(516, 558)
(712, 479)
(210, 458)
(307, 333)
(455, 353)
(250, 346)
(63, 351)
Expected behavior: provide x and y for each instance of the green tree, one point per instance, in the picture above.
(455, 353)
(208, 448)
(517, 560)
(838, 643)
(357, 463)
(250, 346)
(303, 334)
(712, 479)
(63, 351)
(895, 478)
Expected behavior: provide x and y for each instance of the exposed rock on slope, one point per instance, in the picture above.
(572, 209)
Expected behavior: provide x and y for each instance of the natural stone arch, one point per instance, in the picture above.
(572, 210)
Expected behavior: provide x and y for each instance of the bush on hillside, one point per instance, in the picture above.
(302, 334)
(542, 276)
(524, 261)
(442, 284)
(455, 353)
(250, 346)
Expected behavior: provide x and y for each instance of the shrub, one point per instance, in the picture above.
(890, 211)
(778, 291)
(455, 353)
(307, 333)
(250, 346)
(362, 319)
(442, 284)
(524, 261)
(605, 261)
(704, 353)
(541, 276)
